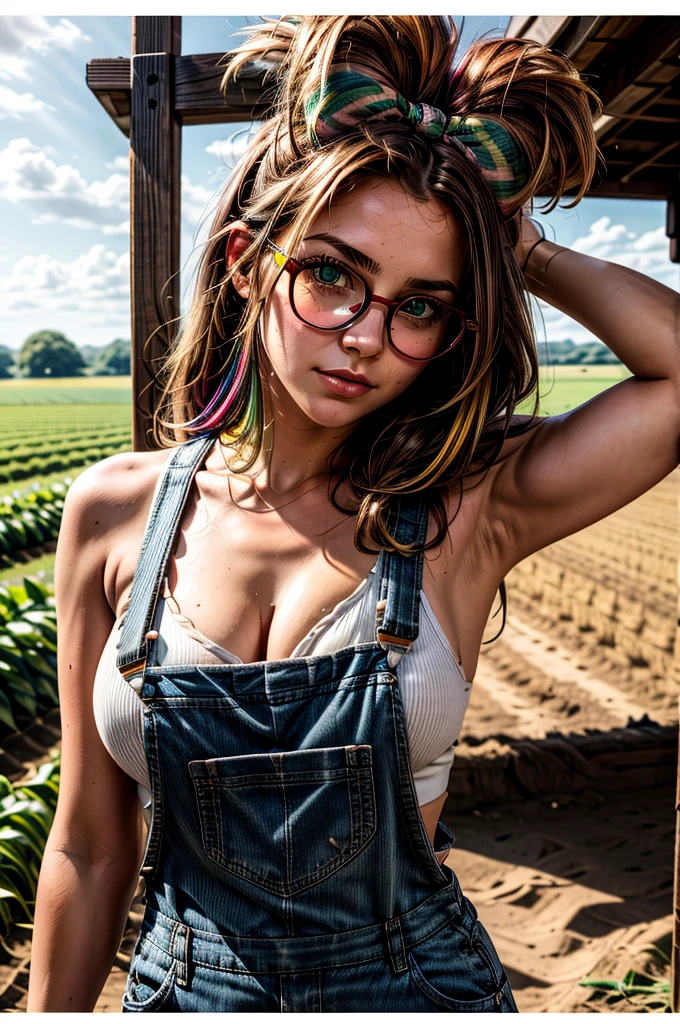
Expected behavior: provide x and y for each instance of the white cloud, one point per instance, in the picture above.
(16, 105)
(58, 192)
(230, 150)
(647, 253)
(119, 163)
(54, 192)
(22, 35)
(196, 201)
(95, 284)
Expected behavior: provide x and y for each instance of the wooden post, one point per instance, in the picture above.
(673, 232)
(155, 170)
(675, 952)
(673, 226)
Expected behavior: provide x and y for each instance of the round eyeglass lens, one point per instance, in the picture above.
(422, 327)
(327, 296)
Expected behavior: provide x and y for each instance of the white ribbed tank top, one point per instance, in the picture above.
(434, 691)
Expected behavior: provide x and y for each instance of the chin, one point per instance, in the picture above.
(330, 412)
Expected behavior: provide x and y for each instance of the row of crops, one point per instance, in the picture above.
(28, 689)
(48, 429)
(54, 439)
(26, 814)
(30, 520)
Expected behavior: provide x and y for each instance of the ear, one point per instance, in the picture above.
(238, 241)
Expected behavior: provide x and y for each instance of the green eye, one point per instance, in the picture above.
(417, 307)
(328, 274)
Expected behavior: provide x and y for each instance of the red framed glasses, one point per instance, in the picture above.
(328, 295)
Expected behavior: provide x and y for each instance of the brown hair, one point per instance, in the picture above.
(452, 420)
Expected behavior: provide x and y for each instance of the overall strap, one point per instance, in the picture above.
(401, 580)
(159, 536)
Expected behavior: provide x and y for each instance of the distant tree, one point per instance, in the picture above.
(6, 361)
(50, 354)
(113, 359)
(89, 352)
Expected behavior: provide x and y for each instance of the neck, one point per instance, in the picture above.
(295, 449)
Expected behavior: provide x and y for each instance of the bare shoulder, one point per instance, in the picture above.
(111, 490)
(106, 507)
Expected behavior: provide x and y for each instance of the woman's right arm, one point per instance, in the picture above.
(94, 851)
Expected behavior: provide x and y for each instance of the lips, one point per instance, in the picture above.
(344, 384)
(349, 375)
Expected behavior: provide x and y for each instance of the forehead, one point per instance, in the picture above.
(379, 217)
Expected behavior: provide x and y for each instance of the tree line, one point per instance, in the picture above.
(51, 354)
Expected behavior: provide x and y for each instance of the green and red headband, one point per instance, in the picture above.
(350, 96)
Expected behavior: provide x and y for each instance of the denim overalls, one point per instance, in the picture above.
(287, 866)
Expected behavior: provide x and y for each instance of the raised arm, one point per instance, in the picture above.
(94, 849)
(579, 467)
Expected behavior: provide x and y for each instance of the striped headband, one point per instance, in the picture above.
(351, 96)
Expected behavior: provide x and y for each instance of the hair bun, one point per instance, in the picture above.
(541, 98)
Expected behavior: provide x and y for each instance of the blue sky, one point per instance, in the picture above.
(64, 209)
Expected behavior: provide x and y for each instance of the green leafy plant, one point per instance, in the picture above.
(643, 991)
(26, 816)
(30, 520)
(28, 653)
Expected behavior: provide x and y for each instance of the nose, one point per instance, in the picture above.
(367, 335)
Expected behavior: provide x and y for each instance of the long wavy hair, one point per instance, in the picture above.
(452, 421)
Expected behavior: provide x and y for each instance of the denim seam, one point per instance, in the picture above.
(303, 660)
(295, 970)
(417, 834)
(292, 777)
(178, 474)
(479, 947)
(200, 935)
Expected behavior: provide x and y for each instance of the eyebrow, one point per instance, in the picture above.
(372, 267)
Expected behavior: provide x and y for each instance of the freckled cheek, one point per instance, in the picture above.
(397, 377)
(289, 342)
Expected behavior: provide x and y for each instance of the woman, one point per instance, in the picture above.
(315, 559)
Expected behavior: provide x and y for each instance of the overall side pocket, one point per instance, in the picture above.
(455, 969)
(151, 979)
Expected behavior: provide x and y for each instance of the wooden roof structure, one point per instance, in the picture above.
(633, 63)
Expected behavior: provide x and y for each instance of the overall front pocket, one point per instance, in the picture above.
(286, 820)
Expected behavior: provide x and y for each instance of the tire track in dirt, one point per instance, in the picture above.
(543, 652)
(528, 685)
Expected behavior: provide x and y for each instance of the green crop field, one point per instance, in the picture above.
(51, 427)
(564, 387)
(66, 391)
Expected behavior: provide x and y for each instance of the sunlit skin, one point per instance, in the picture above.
(404, 240)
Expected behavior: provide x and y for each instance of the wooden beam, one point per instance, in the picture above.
(109, 80)
(673, 232)
(197, 97)
(542, 28)
(155, 172)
